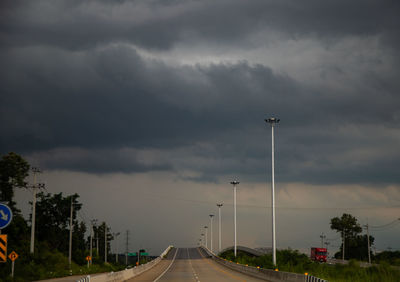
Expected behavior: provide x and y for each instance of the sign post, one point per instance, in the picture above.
(89, 259)
(13, 256)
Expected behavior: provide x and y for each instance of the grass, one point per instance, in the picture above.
(293, 261)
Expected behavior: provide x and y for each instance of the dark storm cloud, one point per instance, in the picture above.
(74, 94)
(161, 24)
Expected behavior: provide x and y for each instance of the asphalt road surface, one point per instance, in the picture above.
(190, 264)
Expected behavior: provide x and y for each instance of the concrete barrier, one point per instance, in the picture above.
(126, 274)
(265, 274)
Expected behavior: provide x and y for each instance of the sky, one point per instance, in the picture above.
(149, 109)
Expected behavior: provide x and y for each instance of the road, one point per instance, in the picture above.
(190, 264)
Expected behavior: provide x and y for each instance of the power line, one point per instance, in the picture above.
(267, 207)
(386, 226)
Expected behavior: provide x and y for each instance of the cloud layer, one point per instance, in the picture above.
(192, 81)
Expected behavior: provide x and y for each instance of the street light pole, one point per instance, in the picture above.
(211, 219)
(219, 226)
(202, 239)
(234, 183)
(206, 227)
(273, 121)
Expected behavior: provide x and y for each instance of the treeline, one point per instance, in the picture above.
(52, 228)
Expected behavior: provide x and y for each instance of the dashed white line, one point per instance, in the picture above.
(191, 265)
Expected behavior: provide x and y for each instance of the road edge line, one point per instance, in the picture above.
(165, 271)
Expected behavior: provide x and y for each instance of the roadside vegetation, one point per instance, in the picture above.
(293, 261)
(50, 258)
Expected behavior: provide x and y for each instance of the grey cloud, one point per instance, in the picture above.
(112, 98)
(161, 24)
(98, 94)
(97, 161)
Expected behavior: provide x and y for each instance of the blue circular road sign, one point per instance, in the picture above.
(5, 216)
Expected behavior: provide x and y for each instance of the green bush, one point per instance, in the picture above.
(293, 261)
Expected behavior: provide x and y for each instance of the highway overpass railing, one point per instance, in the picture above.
(266, 274)
(127, 273)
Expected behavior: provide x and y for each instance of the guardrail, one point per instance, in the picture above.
(127, 273)
(266, 274)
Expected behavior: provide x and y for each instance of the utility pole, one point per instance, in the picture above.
(91, 241)
(211, 219)
(369, 246)
(327, 244)
(35, 186)
(344, 240)
(234, 183)
(105, 242)
(206, 227)
(70, 234)
(116, 241)
(273, 121)
(219, 226)
(322, 236)
(127, 247)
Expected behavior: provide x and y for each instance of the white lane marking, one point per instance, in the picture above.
(165, 271)
(191, 265)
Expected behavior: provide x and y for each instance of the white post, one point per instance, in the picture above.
(273, 121)
(234, 183)
(219, 227)
(211, 219)
(12, 269)
(70, 235)
(273, 199)
(234, 203)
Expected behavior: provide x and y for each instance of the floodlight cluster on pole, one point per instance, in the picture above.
(273, 121)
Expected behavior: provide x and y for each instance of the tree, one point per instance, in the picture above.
(13, 171)
(356, 245)
(53, 219)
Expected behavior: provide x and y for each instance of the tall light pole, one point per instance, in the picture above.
(206, 228)
(202, 238)
(211, 233)
(219, 226)
(234, 183)
(35, 186)
(272, 121)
